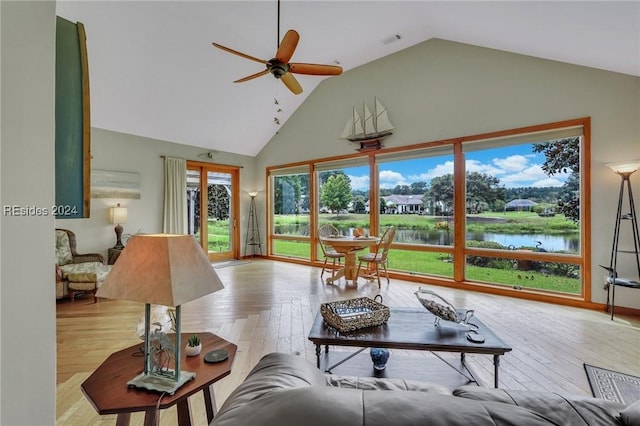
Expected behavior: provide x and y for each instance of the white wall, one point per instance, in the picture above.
(27, 302)
(130, 153)
(440, 89)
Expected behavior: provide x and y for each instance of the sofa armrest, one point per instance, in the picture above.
(559, 409)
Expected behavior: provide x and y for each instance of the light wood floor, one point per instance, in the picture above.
(269, 306)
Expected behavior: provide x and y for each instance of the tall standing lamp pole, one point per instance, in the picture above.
(253, 231)
(624, 170)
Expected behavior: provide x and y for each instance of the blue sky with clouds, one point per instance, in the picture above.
(515, 166)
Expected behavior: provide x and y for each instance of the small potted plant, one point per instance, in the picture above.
(194, 346)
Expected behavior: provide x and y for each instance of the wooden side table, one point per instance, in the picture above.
(108, 392)
(113, 255)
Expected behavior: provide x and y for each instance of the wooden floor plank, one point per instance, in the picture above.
(268, 306)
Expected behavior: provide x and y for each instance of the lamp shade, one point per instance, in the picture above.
(118, 214)
(624, 166)
(252, 193)
(161, 269)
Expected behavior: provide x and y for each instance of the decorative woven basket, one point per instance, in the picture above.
(353, 314)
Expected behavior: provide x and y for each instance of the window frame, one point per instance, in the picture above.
(459, 250)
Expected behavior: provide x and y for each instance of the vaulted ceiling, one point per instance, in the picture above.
(154, 72)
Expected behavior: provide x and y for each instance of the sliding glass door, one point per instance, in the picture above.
(215, 225)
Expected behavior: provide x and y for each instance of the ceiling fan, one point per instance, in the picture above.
(280, 66)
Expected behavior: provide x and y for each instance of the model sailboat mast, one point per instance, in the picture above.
(369, 129)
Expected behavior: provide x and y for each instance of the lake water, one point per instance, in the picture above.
(567, 243)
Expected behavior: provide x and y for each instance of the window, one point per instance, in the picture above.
(290, 220)
(507, 209)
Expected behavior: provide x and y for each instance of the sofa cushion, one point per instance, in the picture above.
(556, 408)
(384, 408)
(373, 383)
(63, 249)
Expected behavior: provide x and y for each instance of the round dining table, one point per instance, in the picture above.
(349, 246)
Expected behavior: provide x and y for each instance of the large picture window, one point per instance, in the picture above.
(507, 209)
(290, 219)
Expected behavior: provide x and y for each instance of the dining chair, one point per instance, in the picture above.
(378, 257)
(329, 252)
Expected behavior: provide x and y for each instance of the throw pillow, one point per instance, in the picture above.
(63, 249)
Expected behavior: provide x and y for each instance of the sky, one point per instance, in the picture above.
(516, 166)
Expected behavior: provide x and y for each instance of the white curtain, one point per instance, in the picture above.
(175, 196)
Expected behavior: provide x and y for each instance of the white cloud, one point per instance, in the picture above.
(389, 179)
(512, 163)
(359, 182)
(531, 176)
(476, 166)
(547, 182)
(440, 170)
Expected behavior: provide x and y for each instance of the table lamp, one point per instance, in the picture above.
(118, 215)
(161, 269)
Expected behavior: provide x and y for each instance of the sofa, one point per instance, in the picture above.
(77, 272)
(284, 389)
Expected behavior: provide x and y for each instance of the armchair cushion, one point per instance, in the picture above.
(63, 248)
(84, 272)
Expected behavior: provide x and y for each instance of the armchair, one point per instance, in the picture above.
(76, 271)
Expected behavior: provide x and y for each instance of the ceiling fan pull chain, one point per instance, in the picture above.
(278, 29)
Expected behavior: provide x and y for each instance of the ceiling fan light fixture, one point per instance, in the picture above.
(277, 68)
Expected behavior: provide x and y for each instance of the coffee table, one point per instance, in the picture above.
(412, 328)
(108, 392)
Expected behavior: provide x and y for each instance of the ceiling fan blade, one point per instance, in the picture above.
(292, 84)
(252, 76)
(287, 46)
(235, 52)
(314, 69)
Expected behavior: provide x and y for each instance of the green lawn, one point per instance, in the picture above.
(430, 263)
(494, 222)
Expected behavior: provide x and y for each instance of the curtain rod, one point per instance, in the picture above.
(230, 165)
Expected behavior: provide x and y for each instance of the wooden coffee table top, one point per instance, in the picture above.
(411, 328)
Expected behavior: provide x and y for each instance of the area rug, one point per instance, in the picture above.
(613, 386)
(226, 264)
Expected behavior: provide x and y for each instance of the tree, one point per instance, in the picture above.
(218, 196)
(402, 190)
(483, 190)
(359, 205)
(563, 155)
(336, 193)
(288, 194)
(418, 188)
(441, 192)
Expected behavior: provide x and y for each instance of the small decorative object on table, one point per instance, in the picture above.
(353, 314)
(379, 356)
(443, 310)
(194, 346)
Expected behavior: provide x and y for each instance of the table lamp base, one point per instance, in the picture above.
(159, 383)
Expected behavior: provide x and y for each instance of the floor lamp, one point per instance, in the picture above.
(253, 231)
(625, 170)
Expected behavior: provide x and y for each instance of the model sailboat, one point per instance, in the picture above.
(369, 129)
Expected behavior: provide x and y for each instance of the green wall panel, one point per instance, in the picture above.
(72, 151)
